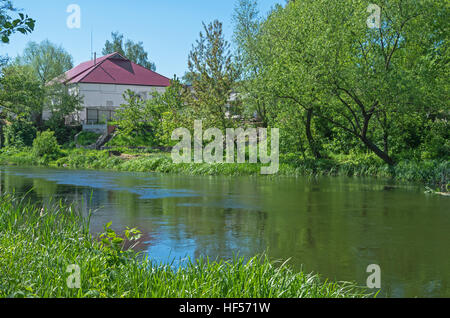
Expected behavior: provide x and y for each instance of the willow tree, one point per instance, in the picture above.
(48, 60)
(326, 58)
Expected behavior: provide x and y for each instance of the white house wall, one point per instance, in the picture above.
(110, 95)
(107, 96)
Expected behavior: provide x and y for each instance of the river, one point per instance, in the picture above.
(335, 226)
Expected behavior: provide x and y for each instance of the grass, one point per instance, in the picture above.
(432, 173)
(87, 138)
(37, 244)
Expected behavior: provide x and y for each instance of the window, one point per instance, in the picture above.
(99, 116)
(92, 116)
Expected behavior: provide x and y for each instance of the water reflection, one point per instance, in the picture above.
(334, 226)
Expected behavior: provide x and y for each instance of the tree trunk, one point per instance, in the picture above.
(385, 143)
(377, 151)
(1, 134)
(309, 136)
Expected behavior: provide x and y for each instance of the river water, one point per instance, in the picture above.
(334, 226)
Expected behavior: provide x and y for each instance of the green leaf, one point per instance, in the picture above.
(117, 240)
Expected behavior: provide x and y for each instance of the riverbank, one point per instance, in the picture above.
(434, 174)
(38, 245)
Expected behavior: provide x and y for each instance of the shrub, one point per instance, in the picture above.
(87, 138)
(19, 133)
(46, 147)
(65, 134)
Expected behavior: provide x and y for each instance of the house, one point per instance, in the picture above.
(103, 81)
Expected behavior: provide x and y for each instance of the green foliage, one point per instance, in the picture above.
(144, 122)
(214, 75)
(435, 174)
(22, 156)
(21, 93)
(9, 25)
(38, 243)
(19, 133)
(47, 60)
(64, 134)
(135, 52)
(46, 147)
(377, 89)
(114, 245)
(87, 138)
(131, 140)
(135, 118)
(436, 141)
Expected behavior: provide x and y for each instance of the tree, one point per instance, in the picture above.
(214, 76)
(24, 97)
(247, 25)
(61, 101)
(188, 78)
(20, 95)
(151, 120)
(21, 92)
(323, 58)
(135, 52)
(4, 60)
(9, 26)
(19, 133)
(48, 60)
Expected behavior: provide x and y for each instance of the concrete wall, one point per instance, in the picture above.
(98, 129)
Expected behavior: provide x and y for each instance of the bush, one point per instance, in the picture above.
(87, 138)
(46, 147)
(19, 134)
(132, 140)
(65, 134)
(437, 142)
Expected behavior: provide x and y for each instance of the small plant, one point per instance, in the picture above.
(115, 245)
(46, 147)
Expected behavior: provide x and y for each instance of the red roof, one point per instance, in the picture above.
(114, 69)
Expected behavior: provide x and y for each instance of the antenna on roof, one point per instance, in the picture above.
(91, 43)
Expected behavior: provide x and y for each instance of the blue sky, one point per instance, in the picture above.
(168, 28)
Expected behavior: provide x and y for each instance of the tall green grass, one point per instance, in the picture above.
(37, 243)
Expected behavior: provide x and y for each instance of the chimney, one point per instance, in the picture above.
(95, 58)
